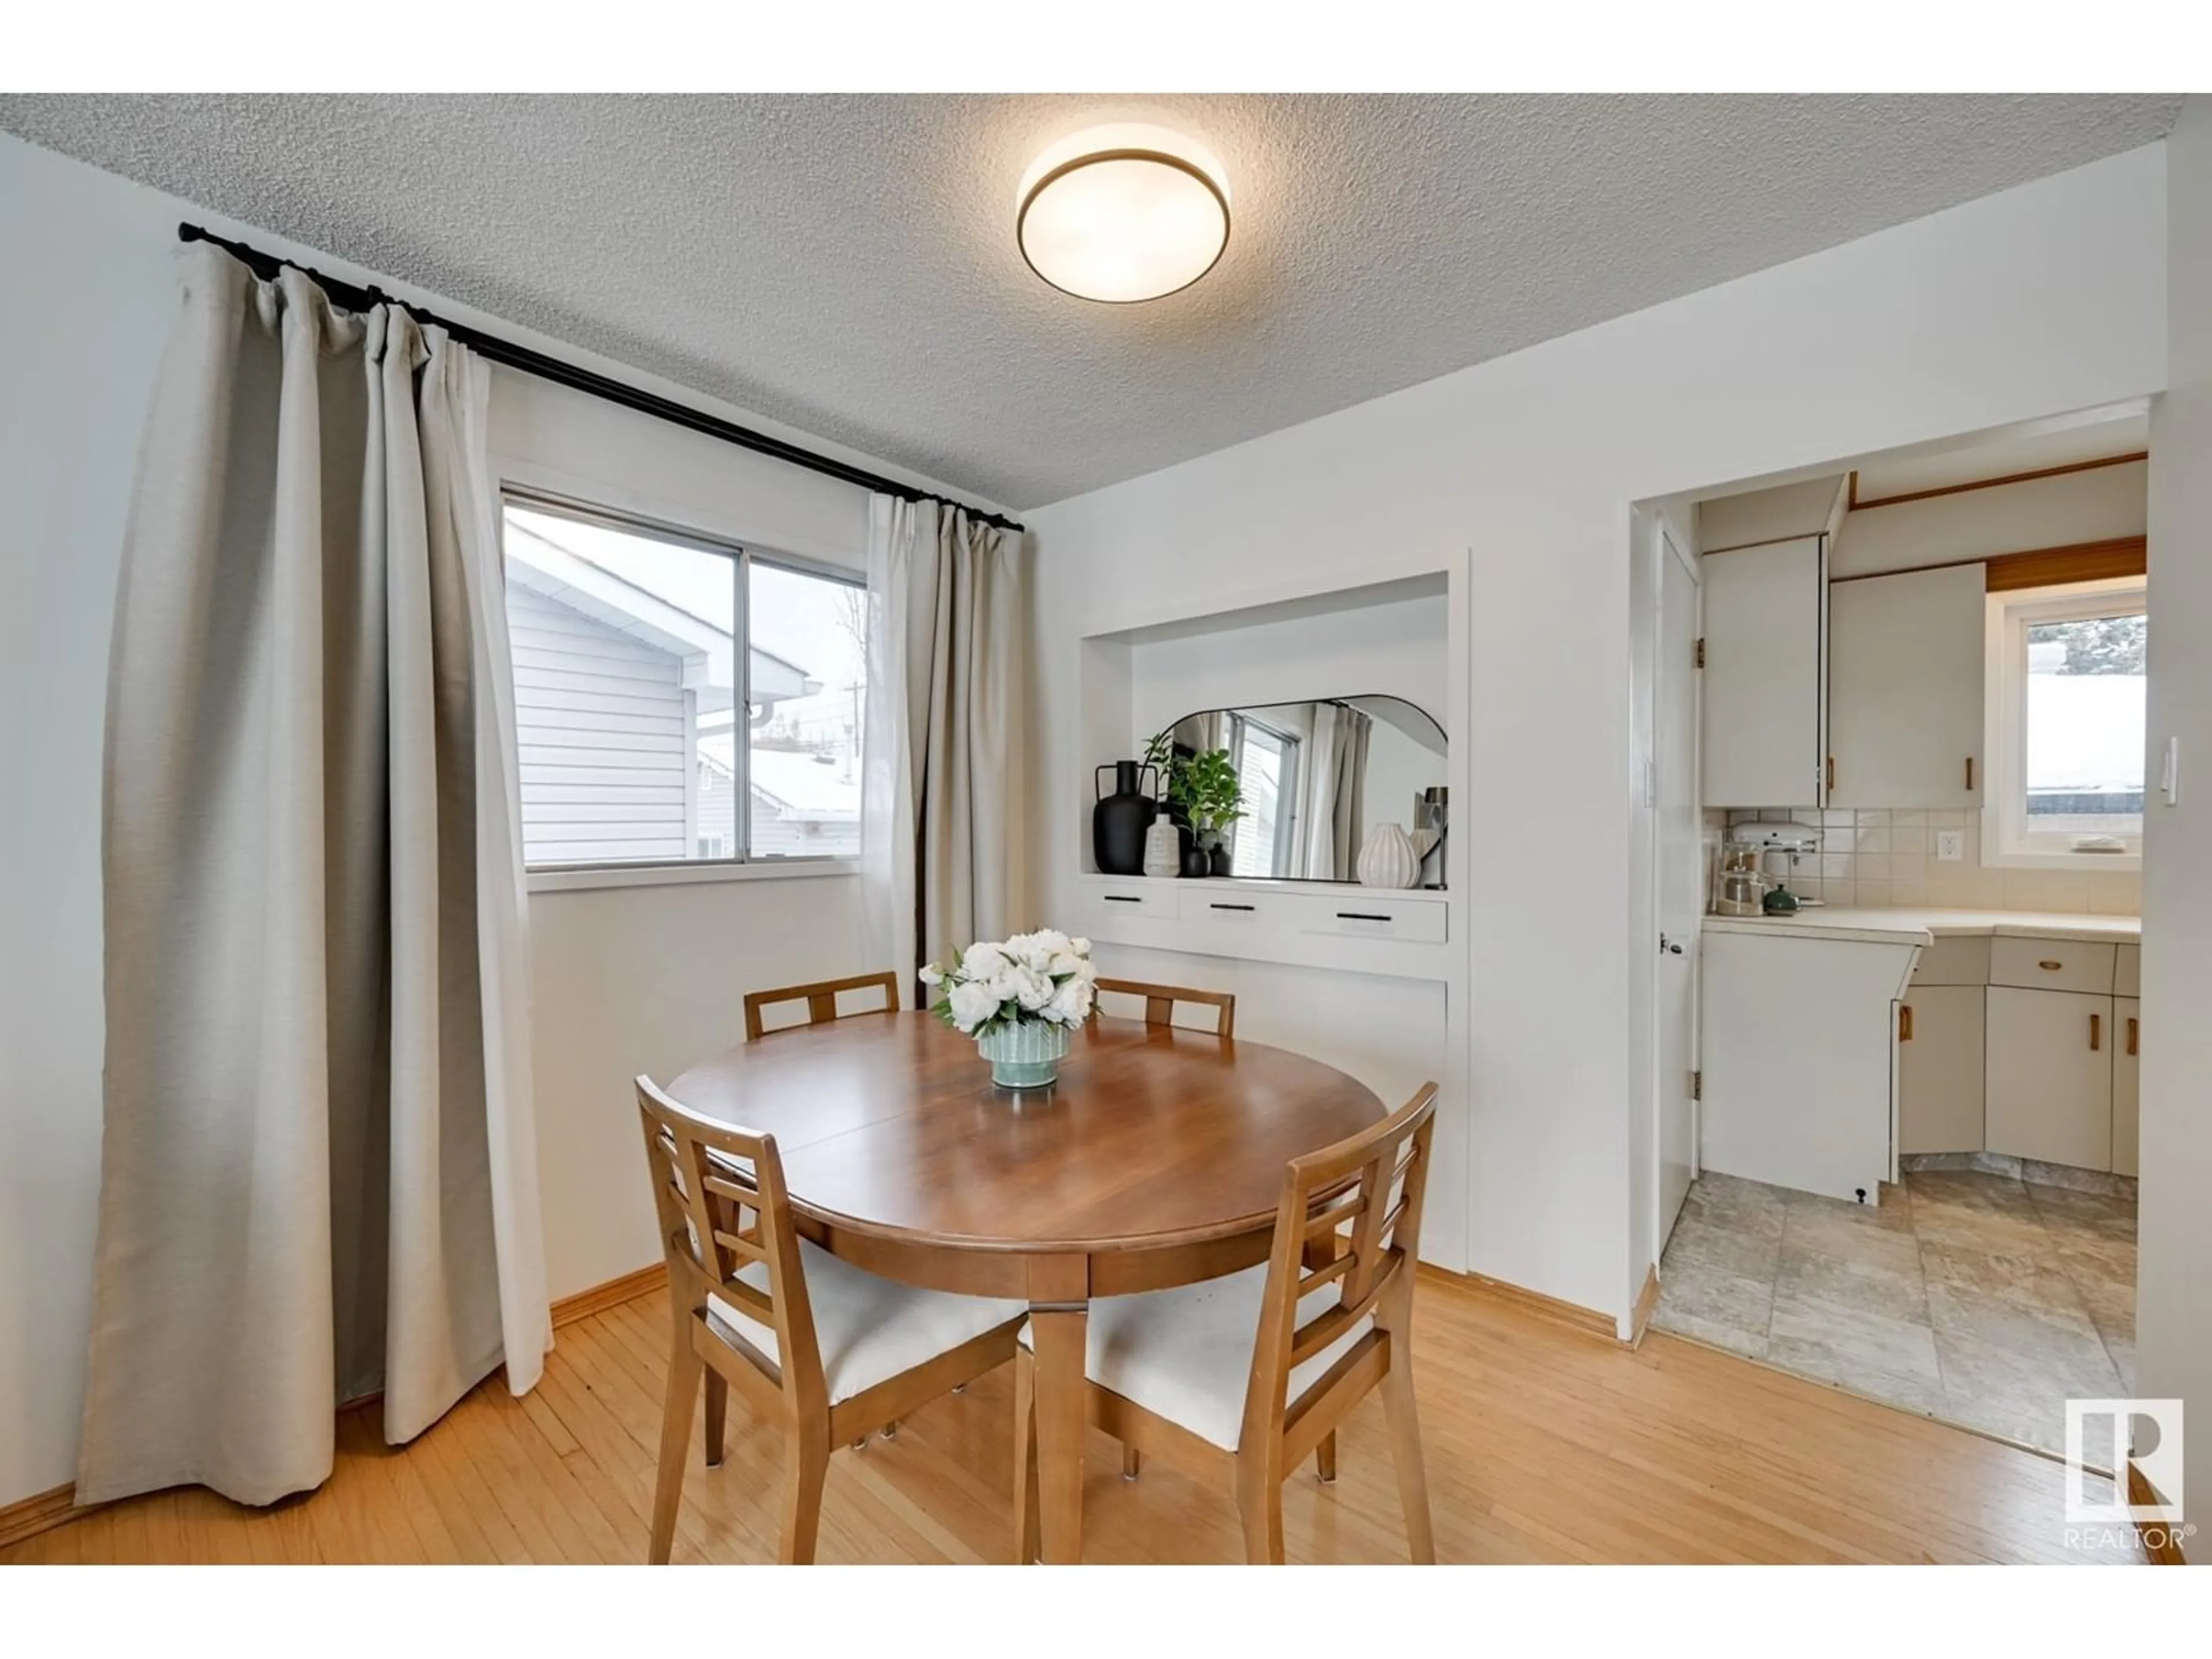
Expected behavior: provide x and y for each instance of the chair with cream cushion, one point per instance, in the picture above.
(832, 1351)
(1224, 1375)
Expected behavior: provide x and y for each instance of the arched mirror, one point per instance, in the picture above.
(1309, 782)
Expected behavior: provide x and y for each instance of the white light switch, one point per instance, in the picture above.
(1950, 846)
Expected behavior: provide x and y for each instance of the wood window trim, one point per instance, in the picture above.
(2042, 567)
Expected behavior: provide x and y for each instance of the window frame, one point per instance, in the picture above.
(1289, 748)
(740, 864)
(2008, 842)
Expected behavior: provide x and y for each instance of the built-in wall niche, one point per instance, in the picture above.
(1372, 647)
(1318, 777)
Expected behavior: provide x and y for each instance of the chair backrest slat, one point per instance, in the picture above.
(699, 1184)
(820, 997)
(1160, 1001)
(1355, 1180)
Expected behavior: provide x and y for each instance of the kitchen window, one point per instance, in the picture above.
(2065, 715)
(679, 700)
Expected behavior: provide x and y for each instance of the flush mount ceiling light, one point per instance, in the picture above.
(1123, 213)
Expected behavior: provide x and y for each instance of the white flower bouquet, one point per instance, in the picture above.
(1018, 999)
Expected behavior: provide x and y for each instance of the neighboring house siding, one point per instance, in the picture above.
(601, 722)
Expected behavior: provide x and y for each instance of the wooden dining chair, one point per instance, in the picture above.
(1160, 1001)
(821, 999)
(1224, 1376)
(832, 1352)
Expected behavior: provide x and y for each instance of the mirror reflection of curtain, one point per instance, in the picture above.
(1333, 794)
(1203, 733)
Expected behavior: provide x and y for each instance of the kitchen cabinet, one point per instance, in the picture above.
(1906, 673)
(1797, 1054)
(2127, 1100)
(1940, 1057)
(2049, 1076)
(1766, 674)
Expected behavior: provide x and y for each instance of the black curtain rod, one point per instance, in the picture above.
(491, 348)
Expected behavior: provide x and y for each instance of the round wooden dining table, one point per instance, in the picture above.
(1156, 1160)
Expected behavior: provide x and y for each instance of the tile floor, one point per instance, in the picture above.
(1965, 1296)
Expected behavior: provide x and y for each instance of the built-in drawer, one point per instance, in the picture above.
(1155, 901)
(1959, 960)
(2052, 964)
(1237, 909)
(2127, 971)
(1362, 914)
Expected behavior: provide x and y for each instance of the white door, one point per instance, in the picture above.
(1680, 883)
(1766, 694)
(2050, 1076)
(1907, 660)
(2127, 1083)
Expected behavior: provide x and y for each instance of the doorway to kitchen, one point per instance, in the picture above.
(1921, 753)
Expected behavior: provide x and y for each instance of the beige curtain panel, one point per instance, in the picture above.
(318, 1176)
(943, 792)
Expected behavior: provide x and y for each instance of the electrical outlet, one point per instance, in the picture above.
(1950, 846)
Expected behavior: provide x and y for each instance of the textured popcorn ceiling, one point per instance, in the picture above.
(847, 264)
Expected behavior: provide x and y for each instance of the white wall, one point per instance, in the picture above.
(626, 979)
(2046, 298)
(2173, 1317)
(1398, 649)
(2099, 505)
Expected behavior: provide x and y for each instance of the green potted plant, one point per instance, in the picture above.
(1207, 788)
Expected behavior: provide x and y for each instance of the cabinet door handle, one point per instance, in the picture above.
(1228, 906)
(1904, 1022)
(2133, 1034)
(1831, 771)
(2096, 1032)
(2049, 965)
(1122, 898)
(1361, 915)
(1970, 774)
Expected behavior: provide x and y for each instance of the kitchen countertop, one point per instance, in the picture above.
(1907, 924)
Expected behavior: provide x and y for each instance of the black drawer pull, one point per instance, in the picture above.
(1361, 915)
(1122, 898)
(1228, 906)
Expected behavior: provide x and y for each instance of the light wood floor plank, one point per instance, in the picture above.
(1543, 1444)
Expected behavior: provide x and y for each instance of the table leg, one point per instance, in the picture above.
(1058, 1334)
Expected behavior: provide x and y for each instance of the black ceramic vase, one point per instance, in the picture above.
(1196, 864)
(1119, 821)
(1224, 859)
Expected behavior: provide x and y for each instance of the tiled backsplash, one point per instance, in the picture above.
(1886, 858)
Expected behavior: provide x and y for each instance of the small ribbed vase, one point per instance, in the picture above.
(1388, 859)
(1025, 1055)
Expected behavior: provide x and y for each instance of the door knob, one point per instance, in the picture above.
(1669, 946)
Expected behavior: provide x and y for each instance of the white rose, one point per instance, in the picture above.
(932, 975)
(1070, 1004)
(982, 961)
(1034, 991)
(972, 1005)
(1063, 964)
(1081, 947)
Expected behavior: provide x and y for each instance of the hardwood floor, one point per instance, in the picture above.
(1543, 1444)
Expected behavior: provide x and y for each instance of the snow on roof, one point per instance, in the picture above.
(797, 781)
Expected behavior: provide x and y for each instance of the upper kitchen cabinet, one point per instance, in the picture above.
(1905, 669)
(1765, 696)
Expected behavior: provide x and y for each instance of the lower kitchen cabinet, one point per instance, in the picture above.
(2050, 1076)
(1939, 1069)
(2127, 1028)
